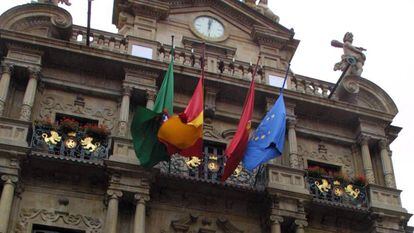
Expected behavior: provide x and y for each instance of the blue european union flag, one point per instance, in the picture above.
(268, 140)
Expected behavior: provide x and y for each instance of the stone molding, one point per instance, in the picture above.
(54, 21)
(28, 217)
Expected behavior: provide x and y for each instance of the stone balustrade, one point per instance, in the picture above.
(223, 66)
(100, 39)
(311, 86)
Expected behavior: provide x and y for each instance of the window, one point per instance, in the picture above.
(48, 229)
(141, 51)
(82, 121)
(276, 81)
(329, 169)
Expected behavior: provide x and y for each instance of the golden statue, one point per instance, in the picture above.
(53, 139)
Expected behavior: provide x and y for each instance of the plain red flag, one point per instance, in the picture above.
(235, 150)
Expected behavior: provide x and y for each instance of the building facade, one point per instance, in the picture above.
(61, 172)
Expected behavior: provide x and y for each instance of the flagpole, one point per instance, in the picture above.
(284, 81)
(88, 29)
(281, 93)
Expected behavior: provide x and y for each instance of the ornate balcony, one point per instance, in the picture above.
(337, 191)
(74, 144)
(210, 169)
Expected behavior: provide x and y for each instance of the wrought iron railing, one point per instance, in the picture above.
(210, 168)
(74, 145)
(338, 191)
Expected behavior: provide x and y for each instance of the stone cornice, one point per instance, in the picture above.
(124, 59)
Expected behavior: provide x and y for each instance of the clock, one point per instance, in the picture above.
(209, 28)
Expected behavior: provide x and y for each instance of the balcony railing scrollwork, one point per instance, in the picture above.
(327, 188)
(75, 145)
(210, 168)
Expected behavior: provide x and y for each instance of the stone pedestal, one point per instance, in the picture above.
(29, 95)
(139, 220)
(6, 70)
(6, 201)
(112, 212)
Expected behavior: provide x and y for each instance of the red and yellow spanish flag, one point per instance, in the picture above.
(183, 133)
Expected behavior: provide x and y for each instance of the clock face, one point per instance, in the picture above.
(209, 27)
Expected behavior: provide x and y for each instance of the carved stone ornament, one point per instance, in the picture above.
(9, 179)
(202, 224)
(344, 159)
(48, 21)
(56, 218)
(52, 103)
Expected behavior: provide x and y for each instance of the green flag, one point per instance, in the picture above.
(146, 123)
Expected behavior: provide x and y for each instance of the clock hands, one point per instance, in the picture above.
(210, 22)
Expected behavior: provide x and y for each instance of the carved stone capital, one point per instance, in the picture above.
(10, 179)
(383, 144)
(34, 72)
(114, 194)
(275, 219)
(126, 90)
(141, 198)
(151, 94)
(291, 123)
(301, 223)
(363, 139)
(6, 68)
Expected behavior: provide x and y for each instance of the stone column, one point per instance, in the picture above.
(150, 98)
(6, 70)
(124, 111)
(275, 222)
(366, 159)
(293, 145)
(29, 95)
(112, 212)
(6, 201)
(139, 220)
(300, 226)
(386, 164)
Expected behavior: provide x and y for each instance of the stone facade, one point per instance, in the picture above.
(66, 181)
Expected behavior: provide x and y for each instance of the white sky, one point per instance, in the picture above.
(384, 27)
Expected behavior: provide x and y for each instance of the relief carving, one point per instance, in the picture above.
(193, 223)
(46, 217)
(50, 104)
(344, 159)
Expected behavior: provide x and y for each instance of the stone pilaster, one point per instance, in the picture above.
(293, 145)
(30, 94)
(124, 111)
(300, 226)
(139, 220)
(6, 200)
(275, 222)
(151, 94)
(386, 164)
(366, 159)
(6, 70)
(112, 212)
